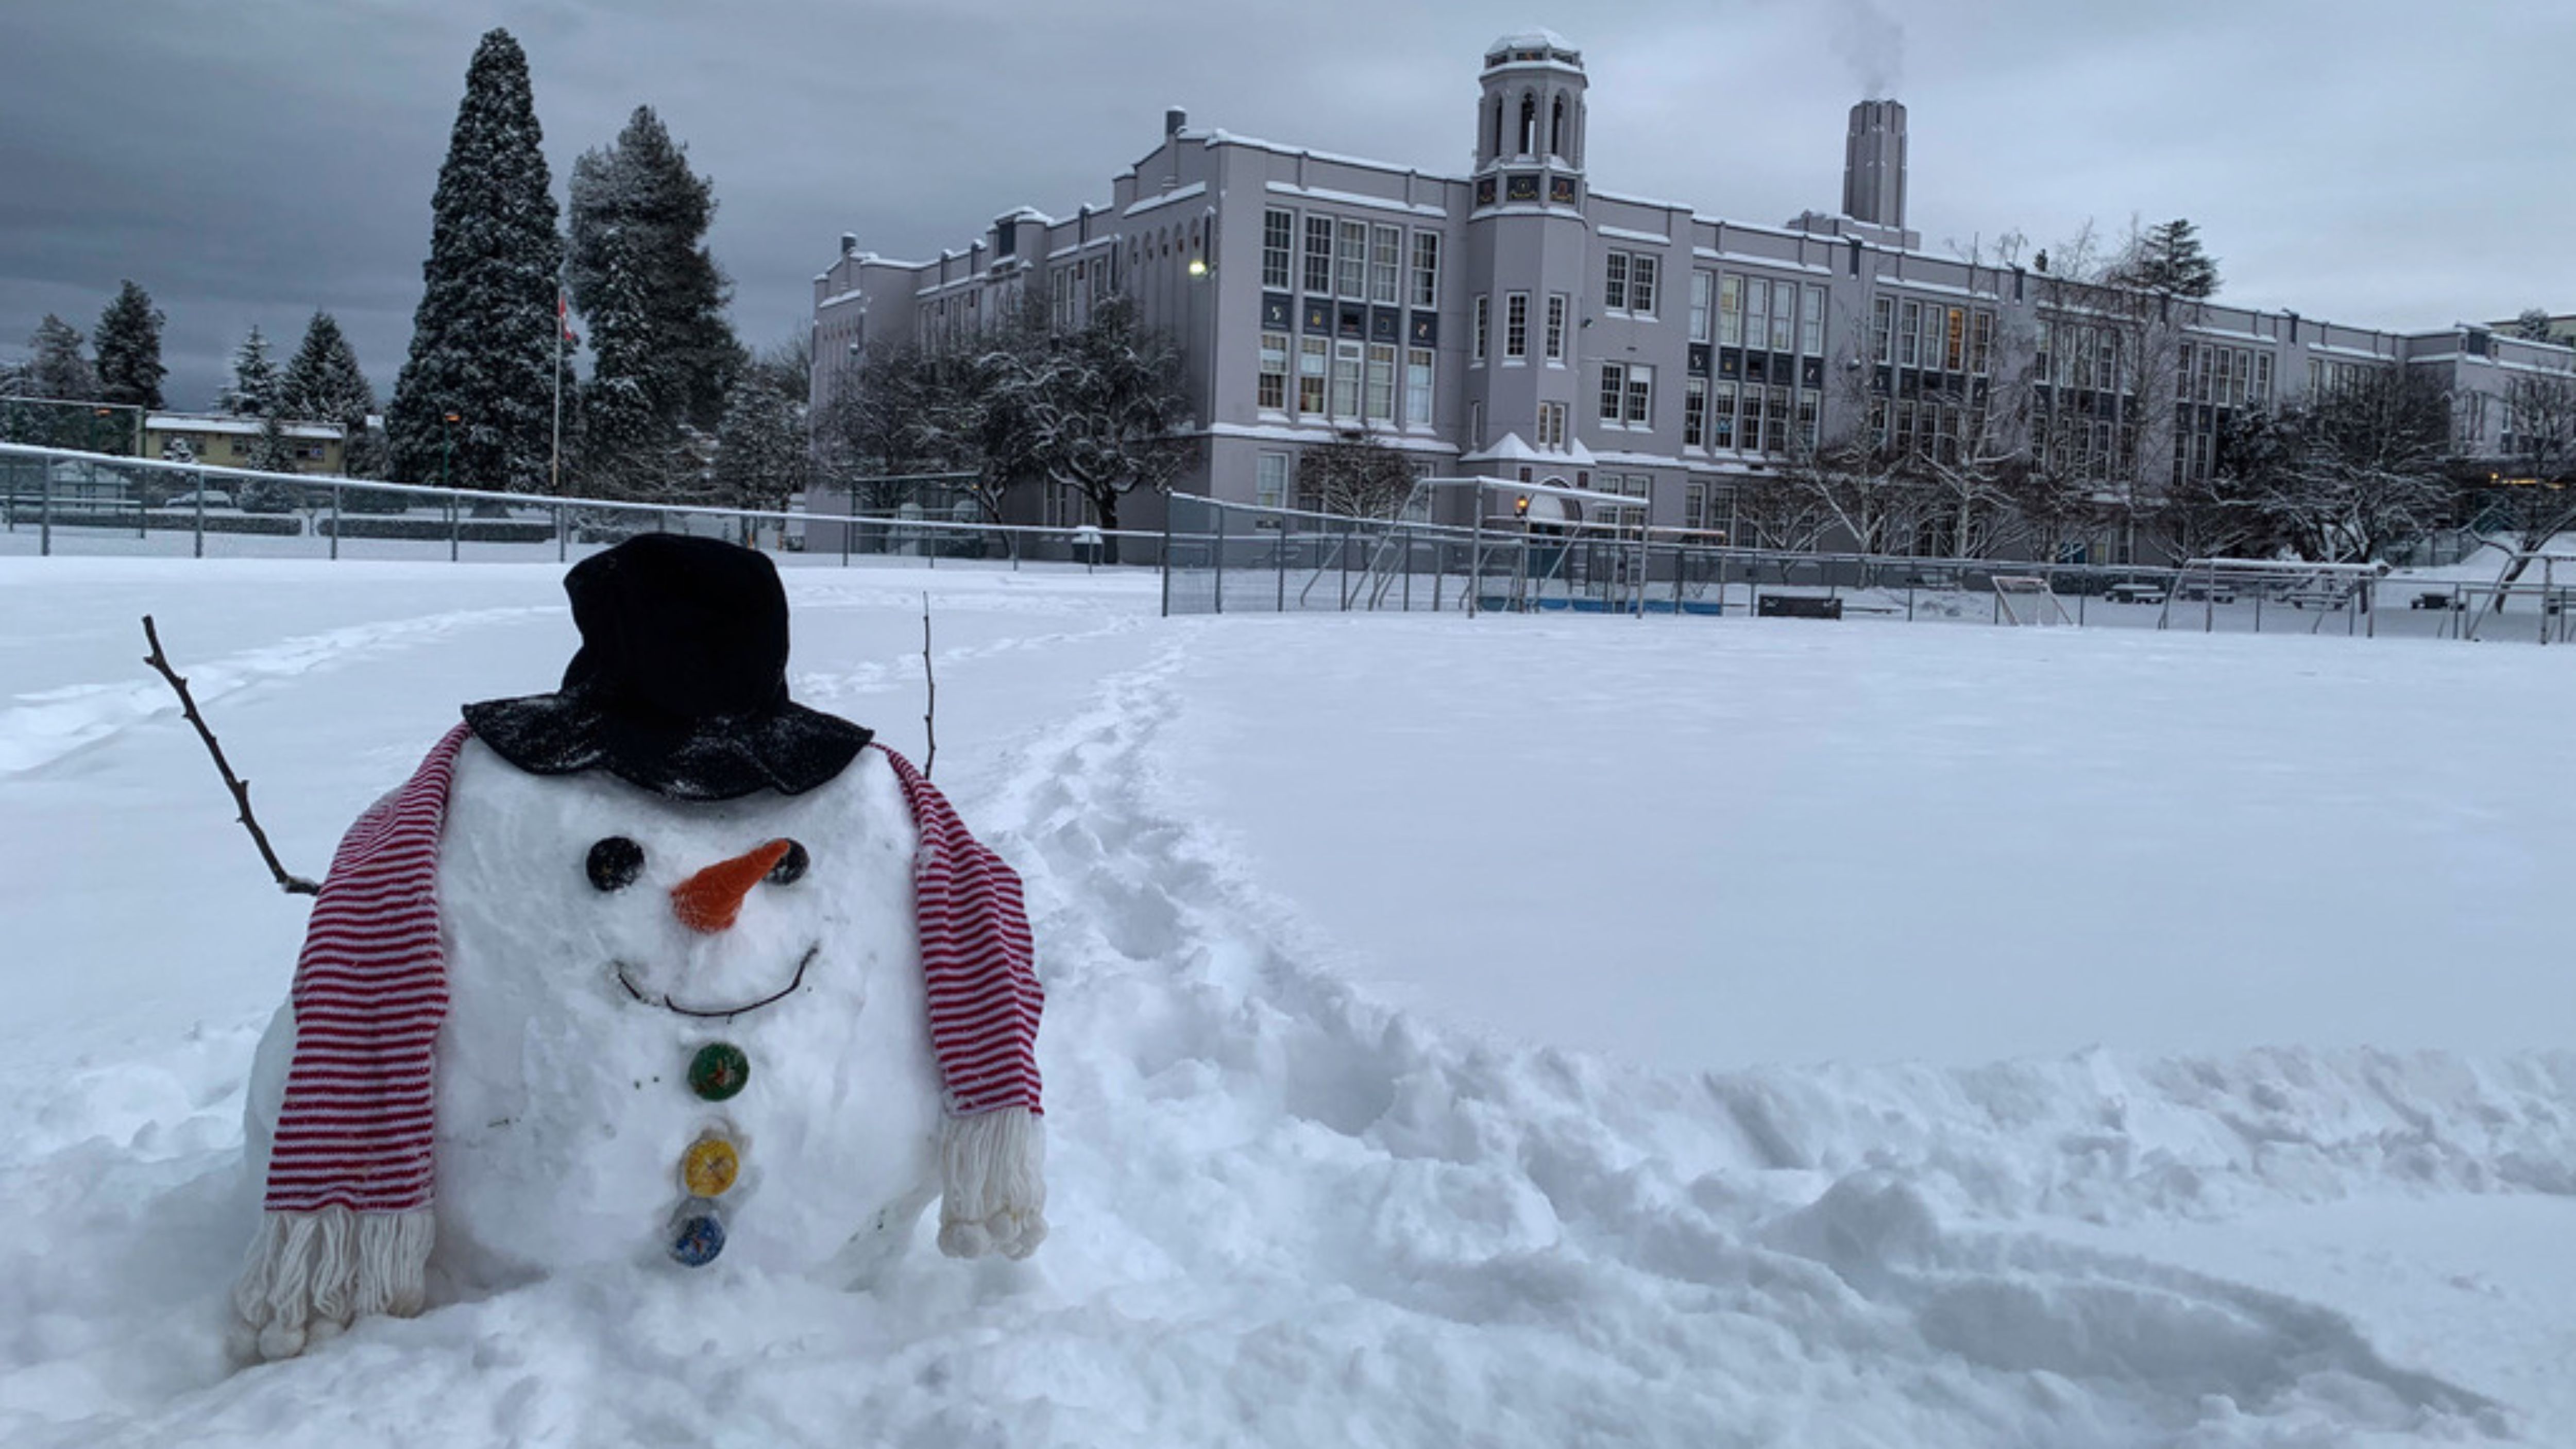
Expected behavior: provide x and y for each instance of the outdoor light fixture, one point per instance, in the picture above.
(1198, 266)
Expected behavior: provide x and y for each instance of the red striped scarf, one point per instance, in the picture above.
(371, 989)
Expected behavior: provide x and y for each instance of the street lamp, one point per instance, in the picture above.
(448, 454)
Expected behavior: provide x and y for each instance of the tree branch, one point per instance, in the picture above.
(291, 884)
(930, 709)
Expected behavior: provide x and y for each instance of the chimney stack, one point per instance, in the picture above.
(1874, 165)
(849, 242)
(1174, 119)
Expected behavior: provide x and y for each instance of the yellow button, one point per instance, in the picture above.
(708, 1167)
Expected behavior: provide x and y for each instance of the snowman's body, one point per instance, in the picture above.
(564, 1104)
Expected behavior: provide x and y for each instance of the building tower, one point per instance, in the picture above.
(1874, 165)
(1526, 244)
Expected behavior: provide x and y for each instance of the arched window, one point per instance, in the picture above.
(1498, 125)
(1556, 130)
(1529, 124)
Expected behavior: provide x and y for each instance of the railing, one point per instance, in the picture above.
(1233, 558)
(59, 501)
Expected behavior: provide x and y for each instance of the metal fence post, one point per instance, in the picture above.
(200, 545)
(1220, 558)
(1281, 552)
(455, 526)
(335, 520)
(563, 533)
(45, 508)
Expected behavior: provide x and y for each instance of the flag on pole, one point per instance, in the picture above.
(563, 319)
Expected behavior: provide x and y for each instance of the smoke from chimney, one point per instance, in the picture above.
(1870, 42)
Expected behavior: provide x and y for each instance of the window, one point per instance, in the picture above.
(1272, 392)
(1351, 261)
(1807, 418)
(1551, 425)
(1346, 379)
(1381, 382)
(1417, 387)
(1695, 505)
(1386, 259)
(1694, 412)
(1516, 325)
(1319, 255)
(1641, 396)
(1641, 285)
(1270, 480)
(1426, 269)
(1882, 329)
(1699, 307)
(1730, 311)
(1757, 310)
(1775, 419)
(1784, 316)
(1750, 430)
(1811, 323)
(1556, 327)
(1278, 237)
(2262, 378)
(1484, 328)
(1981, 345)
(1721, 417)
(1614, 282)
(1954, 340)
(1614, 391)
(1314, 355)
(1909, 327)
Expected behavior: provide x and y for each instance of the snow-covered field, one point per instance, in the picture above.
(1526, 1031)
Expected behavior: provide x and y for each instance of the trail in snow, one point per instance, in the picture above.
(42, 727)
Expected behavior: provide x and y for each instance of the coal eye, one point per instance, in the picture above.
(790, 866)
(615, 862)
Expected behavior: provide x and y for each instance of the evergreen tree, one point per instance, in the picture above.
(639, 268)
(323, 383)
(762, 460)
(57, 367)
(129, 349)
(2170, 258)
(482, 337)
(253, 392)
(2532, 325)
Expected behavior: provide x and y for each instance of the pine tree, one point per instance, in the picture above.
(2169, 258)
(253, 391)
(639, 268)
(482, 336)
(323, 383)
(128, 339)
(2533, 325)
(762, 460)
(57, 367)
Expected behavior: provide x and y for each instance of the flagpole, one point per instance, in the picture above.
(554, 466)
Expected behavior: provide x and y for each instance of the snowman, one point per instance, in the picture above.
(658, 968)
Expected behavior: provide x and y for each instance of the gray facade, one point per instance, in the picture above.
(1518, 322)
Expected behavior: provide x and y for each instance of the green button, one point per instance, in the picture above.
(718, 1071)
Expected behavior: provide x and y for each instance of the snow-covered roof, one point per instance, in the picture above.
(228, 424)
(1530, 40)
(1026, 213)
(1510, 449)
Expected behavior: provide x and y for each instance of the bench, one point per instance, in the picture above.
(1797, 606)
(2431, 599)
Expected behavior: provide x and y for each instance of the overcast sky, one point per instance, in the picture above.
(2381, 162)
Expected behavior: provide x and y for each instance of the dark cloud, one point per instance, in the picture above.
(2366, 161)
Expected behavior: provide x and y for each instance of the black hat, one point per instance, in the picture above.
(680, 684)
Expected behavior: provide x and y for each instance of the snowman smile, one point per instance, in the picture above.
(717, 1013)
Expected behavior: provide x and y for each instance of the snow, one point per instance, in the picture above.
(2178, 1039)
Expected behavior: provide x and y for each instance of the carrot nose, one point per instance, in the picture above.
(709, 900)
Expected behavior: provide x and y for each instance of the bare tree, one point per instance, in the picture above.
(1356, 475)
(2540, 449)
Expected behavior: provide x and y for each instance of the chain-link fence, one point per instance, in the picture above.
(63, 501)
(1233, 558)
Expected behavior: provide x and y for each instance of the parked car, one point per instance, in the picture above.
(203, 498)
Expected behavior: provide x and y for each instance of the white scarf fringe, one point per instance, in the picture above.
(311, 1273)
(992, 1184)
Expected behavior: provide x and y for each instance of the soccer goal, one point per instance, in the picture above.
(2026, 600)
